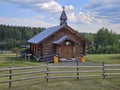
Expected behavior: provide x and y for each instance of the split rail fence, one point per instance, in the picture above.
(51, 71)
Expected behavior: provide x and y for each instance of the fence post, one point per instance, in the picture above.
(77, 71)
(47, 70)
(10, 77)
(103, 71)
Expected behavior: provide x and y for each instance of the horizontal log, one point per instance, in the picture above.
(112, 69)
(112, 74)
(58, 72)
(55, 77)
(15, 74)
(6, 81)
(73, 66)
(21, 68)
(110, 65)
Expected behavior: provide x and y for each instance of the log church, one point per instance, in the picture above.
(61, 40)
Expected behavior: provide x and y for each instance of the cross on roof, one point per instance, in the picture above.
(63, 8)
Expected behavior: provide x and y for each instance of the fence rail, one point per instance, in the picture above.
(56, 71)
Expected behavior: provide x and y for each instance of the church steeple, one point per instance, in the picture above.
(63, 17)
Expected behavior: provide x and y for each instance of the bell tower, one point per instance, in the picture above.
(63, 17)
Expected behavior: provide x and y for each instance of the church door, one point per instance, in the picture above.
(66, 51)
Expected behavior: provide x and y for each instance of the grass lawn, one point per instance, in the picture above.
(109, 83)
(7, 60)
(107, 58)
(67, 84)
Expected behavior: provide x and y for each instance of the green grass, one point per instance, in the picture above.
(107, 58)
(109, 83)
(7, 60)
(67, 84)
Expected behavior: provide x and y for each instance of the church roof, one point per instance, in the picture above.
(44, 34)
(60, 39)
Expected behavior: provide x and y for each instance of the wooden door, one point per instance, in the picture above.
(66, 51)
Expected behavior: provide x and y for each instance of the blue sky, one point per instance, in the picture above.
(83, 15)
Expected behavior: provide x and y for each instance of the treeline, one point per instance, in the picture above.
(103, 42)
(15, 36)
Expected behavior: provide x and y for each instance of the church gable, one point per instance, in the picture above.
(62, 33)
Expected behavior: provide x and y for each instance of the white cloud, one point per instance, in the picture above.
(80, 17)
(93, 28)
(107, 9)
(32, 22)
(51, 6)
(35, 22)
(69, 9)
(85, 18)
(37, 5)
(72, 17)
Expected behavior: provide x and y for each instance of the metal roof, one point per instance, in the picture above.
(44, 34)
(60, 39)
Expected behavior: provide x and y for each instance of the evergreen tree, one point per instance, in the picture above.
(15, 36)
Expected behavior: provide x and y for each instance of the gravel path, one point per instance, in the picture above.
(74, 63)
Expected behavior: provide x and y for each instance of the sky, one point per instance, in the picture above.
(83, 15)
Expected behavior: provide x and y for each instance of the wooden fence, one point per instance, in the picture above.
(51, 71)
(8, 72)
